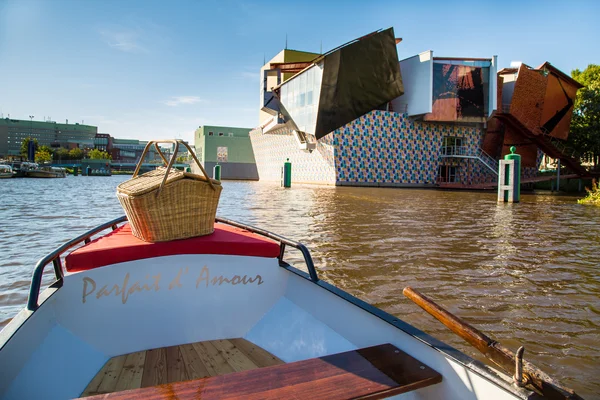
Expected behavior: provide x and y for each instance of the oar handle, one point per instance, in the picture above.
(472, 335)
(500, 355)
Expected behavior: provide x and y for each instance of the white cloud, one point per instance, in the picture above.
(134, 34)
(179, 100)
(126, 40)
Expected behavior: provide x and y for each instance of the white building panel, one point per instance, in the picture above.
(417, 77)
(493, 87)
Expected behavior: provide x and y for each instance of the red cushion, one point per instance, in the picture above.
(121, 246)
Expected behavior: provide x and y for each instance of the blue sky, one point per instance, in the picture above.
(159, 69)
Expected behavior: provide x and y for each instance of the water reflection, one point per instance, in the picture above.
(503, 230)
(524, 273)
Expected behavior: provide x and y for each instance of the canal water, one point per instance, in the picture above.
(526, 273)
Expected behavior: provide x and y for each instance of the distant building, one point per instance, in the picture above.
(182, 151)
(130, 150)
(49, 133)
(103, 142)
(230, 147)
(358, 116)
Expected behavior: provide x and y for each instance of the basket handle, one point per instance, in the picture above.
(170, 163)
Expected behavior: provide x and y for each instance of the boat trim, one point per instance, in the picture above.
(22, 316)
(282, 243)
(34, 300)
(54, 257)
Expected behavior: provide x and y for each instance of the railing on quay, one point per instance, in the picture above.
(467, 152)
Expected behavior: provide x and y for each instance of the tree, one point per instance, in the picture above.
(585, 124)
(99, 155)
(593, 196)
(45, 149)
(42, 156)
(25, 146)
(76, 154)
(61, 154)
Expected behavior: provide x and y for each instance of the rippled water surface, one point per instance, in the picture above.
(525, 273)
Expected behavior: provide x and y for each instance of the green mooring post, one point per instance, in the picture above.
(287, 174)
(509, 177)
(217, 172)
(75, 170)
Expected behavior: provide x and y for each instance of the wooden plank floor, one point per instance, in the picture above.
(375, 372)
(178, 363)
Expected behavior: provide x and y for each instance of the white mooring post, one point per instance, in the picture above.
(507, 182)
(509, 177)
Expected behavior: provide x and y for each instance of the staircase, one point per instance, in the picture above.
(273, 125)
(549, 145)
(490, 162)
(303, 141)
(465, 152)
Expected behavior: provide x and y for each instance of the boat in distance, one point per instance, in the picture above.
(47, 172)
(20, 168)
(6, 171)
(222, 316)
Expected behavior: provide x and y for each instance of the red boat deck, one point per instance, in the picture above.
(121, 246)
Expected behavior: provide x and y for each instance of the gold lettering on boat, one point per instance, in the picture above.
(220, 279)
(124, 291)
(203, 276)
(149, 284)
(176, 282)
(87, 281)
(252, 280)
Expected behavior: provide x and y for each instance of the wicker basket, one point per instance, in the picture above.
(166, 204)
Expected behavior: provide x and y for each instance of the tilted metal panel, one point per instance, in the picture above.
(358, 78)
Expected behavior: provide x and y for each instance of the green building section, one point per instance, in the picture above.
(229, 147)
(49, 133)
(291, 56)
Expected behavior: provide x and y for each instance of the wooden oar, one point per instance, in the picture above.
(532, 377)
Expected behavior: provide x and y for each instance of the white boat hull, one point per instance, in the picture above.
(166, 301)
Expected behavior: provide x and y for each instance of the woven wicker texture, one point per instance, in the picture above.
(148, 182)
(185, 206)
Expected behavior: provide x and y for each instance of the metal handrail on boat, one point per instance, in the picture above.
(282, 243)
(54, 257)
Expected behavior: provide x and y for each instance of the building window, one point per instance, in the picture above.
(221, 154)
(210, 133)
(453, 146)
(448, 173)
(220, 133)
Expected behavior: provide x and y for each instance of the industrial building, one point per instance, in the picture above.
(229, 147)
(358, 116)
(49, 133)
(68, 136)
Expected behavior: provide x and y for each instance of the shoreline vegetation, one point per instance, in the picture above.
(593, 196)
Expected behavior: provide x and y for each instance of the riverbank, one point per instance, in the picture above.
(593, 195)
